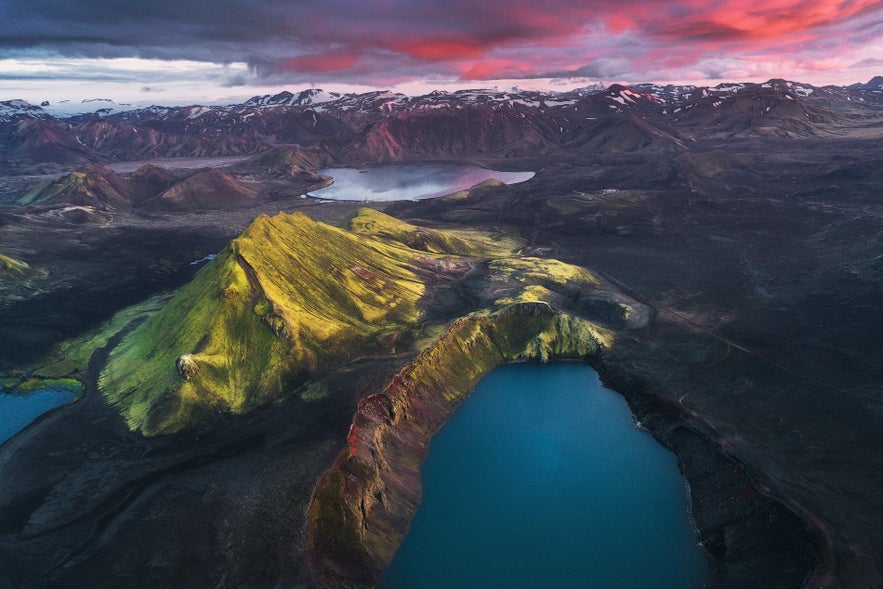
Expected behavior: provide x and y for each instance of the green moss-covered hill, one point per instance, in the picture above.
(374, 224)
(292, 297)
(11, 268)
(281, 301)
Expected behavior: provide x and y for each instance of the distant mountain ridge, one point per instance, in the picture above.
(390, 126)
(875, 83)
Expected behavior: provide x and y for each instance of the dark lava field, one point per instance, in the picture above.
(747, 235)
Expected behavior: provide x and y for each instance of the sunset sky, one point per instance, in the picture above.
(206, 51)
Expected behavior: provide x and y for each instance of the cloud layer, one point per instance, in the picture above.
(384, 42)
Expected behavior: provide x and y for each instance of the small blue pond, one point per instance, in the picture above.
(540, 480)
(408, 181)
(17, 411)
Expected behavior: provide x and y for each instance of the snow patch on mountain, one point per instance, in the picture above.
(307, 97)
(101, 107)
(12, 109)
(198, 111)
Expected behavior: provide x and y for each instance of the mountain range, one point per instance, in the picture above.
(383, 126)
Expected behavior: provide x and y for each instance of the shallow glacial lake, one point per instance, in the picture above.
(408, 181)
(541, 480)
(17, 411)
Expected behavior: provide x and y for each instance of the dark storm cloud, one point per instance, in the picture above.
(392, 39)
(234, 30)
(600, 69)
(165, 30)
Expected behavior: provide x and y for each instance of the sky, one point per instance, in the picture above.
(210, 51)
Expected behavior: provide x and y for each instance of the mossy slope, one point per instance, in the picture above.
(372, 223)
(71, 357)
(11, 268)
(279, 303)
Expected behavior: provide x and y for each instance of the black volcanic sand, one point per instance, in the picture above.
(760, 368)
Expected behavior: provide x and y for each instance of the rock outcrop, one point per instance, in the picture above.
(187, 366)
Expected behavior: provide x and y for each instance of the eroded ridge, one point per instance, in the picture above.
(362, 507)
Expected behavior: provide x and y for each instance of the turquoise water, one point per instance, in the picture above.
(409, 181)
(540, 480)
(17, 411)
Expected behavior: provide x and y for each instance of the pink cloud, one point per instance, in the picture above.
(486, 41)
(494, 39)
(372, 41)
(441, 49)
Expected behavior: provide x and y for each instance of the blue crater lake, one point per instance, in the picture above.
(18, 411)
(540, 480)
(408, 181)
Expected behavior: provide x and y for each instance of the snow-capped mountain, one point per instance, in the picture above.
(476, 122)
(17, 109)
(304, 98)
(100, 107)
(358, 110)
(874, 84)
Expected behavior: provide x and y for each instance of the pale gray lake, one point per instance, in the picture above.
(408, 181)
